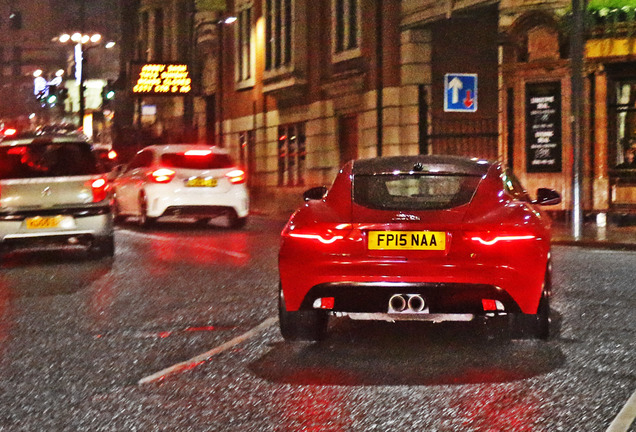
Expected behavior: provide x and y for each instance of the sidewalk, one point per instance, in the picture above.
(612, 236)
(280, 205)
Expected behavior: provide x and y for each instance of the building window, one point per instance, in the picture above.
(185, 48)
(292, 153)
(346, 26)
(144, 20)
(15, 20)
(244, 45)
(278, 33)
(159, 36)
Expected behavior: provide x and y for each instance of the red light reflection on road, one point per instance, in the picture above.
(198, 329)
(101, 301)
(319, 408)
(225, 250)
(499, 408)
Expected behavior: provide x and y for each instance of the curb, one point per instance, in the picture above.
(593, 244)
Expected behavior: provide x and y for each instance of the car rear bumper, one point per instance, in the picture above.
(161, 203)
(86, 227)
(441, 298)
(447, 288)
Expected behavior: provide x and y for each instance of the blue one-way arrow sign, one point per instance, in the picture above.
(460, 92)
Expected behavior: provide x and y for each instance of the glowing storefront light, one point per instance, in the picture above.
(167, 79)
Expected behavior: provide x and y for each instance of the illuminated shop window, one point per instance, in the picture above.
(625, 111)
(292, 153)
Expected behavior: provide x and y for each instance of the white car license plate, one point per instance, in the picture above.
(201, 182)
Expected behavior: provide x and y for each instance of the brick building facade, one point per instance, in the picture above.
(294, 88)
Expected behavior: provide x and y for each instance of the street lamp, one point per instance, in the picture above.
(80, 39)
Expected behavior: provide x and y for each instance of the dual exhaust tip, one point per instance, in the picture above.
(407, 303)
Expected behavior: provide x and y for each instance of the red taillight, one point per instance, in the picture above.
(489, 238)
(112, 155)
(10, 132)
(236, 176)
(100, 189)
(162, 175)
(492, 305)
(323, 233)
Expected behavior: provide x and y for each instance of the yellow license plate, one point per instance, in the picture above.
(42, 222)
(201, 182)
(407, 240)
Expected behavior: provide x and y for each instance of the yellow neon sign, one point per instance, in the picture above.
(164, 79)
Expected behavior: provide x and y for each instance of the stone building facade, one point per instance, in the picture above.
(294, 88)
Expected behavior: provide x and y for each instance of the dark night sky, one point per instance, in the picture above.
(100, 15)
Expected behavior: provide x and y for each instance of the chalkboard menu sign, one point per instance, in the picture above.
(543, 127)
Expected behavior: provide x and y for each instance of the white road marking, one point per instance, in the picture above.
(201, 358)
(626, 417)
(200, 246)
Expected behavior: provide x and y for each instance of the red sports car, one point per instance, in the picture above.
(431, 238)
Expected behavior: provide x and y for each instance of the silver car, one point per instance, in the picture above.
(54, 191)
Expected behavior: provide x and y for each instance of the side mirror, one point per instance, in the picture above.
(547, 196)
(315, 193)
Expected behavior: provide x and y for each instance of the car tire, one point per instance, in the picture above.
(236, 222)
(301, 325)
(537, 326)
(542, 319)
(118, 218)
(144, 220)
(103, 247)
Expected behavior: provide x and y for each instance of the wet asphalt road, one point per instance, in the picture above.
(77, 336)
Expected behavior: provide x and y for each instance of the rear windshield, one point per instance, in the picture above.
(413, 191)
(202, 162)
(47, 160)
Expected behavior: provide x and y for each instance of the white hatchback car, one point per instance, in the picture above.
(181, 180)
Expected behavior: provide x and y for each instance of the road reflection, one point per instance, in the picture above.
(361, 354)
(52, 275)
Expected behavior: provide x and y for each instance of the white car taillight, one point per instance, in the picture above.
(236, 176)
(162, 175)
(198, 152)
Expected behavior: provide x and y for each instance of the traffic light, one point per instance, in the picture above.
(52, 98)
(108, 94)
